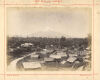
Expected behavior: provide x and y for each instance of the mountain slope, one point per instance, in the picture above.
(49, 34)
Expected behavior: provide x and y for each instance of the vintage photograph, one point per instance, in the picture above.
(48, 39)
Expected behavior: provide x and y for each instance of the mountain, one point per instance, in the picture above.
(49, 34)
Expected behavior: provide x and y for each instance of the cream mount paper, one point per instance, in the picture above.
(67, 20)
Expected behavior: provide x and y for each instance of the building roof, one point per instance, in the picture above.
(71, 59)
(62, 54)
(73, 55)
(35, 56)
(63, 62)
(55, 56)
(48, 59)
(31, 65)
(26, 44)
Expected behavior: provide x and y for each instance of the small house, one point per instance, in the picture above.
(31, 65)
(71, 59)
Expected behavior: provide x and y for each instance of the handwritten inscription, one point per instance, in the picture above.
(48, 1)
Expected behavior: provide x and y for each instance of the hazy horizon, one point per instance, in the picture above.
(68, 21)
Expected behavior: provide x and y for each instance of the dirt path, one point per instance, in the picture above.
(12, 66)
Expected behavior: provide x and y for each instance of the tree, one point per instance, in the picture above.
(62, 41)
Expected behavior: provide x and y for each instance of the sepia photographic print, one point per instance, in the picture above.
(48, 39)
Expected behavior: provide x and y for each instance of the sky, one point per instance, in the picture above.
(75, 22)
